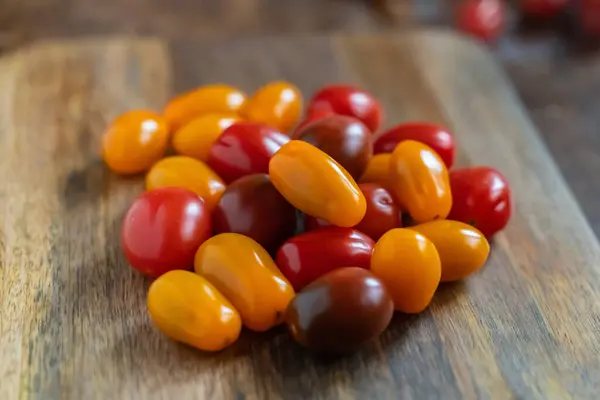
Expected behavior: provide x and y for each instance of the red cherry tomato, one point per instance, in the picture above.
(245, 148)
(306, 257)
(318, 112)
(434, 136)
(543, 8)
(482, 18)
(481, 198)
(163, 229)
(350, 101)
(590, 17)
(382, 213)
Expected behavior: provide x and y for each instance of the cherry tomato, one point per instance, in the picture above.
(590, 17)
(253, 207)
(163, 229)
(484, 19)
(314, 114)
(196, 137)
(543, 8)
(278, 104)
(350, 101)
(188, 309)
(246, 274)
(420, 181)
(211, 99)
(378, 170)
(340, 311)
(304, 258)
(409, 266)
(316, 184)
(381, 216)
(347, 140)
(482, 198)
(187, 172)
(463, 249)
(134, 141)
(434, 136)
(245, 148)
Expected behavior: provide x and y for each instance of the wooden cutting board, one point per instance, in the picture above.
(73, 319)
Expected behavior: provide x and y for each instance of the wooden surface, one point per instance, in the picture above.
(73, 321)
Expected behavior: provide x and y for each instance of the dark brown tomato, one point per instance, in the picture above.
(340, 311)
(347, 140)
(251, 206)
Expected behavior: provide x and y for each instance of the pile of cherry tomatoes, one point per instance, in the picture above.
(317, 219)
(487, 19)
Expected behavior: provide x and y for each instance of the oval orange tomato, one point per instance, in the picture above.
(277, 104)
(196, 137)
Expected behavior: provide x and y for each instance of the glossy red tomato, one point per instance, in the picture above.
(481, 198)
(163, 229)
(434, 136)
(382, 214)
(543, 8)
(484, 19)
(350, 101)
(253, 207)
(590, 17)
(347, 140)
(306, 257)
(245, 148)
(314, 114)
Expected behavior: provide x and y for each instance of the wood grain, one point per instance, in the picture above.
(73, 320)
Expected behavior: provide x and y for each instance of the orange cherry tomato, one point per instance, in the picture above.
(420, 181)
(134, 141)
(462, 248)
(278, 104)
(204, 100)
(409, 266)
(247, 275)
(188, 309)
(316, 184)
(196, 137)
(378, 170)
(189, 173)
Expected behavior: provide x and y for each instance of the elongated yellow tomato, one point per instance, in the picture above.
(189, 173)
(420, 181)
(247, 275)
(409, 266)
(462, 248)
(196, 137)
(316, 184)
(277, 104)
(378, 170)
(187, 308)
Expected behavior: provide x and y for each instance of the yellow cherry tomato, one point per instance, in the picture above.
(134, 141)
(196, 137)
(189, 173)
(462, 248)
(245, 273)
(316, 184)
(409, 266)
(278, 104)
(420, 181)
(188, 309)
(378, 170)
(204, 100)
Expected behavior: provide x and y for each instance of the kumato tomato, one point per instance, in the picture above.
(306, 257)
(481, 198)
(163, 229)
(462, 248)
(210, 99)
(589, 18)
(277, 104)
(243, 149)
(340, 311)
(187, 308)
(543, 8)
(409, 266)
(351, 101)
(245, 273)
(316, 184)
(134, 141)
(312, 115)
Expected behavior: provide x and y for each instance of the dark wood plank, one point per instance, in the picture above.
(74, 323)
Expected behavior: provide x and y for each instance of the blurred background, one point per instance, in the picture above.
(547, 47)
